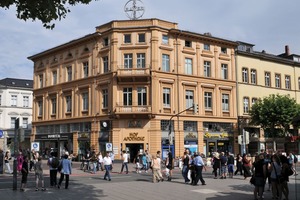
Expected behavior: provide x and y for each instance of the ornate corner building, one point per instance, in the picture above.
(126, 84)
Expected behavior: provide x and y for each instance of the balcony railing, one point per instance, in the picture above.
(133, 70)
(142, 109)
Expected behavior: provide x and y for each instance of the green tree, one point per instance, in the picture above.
(275, 112)
(44, 10)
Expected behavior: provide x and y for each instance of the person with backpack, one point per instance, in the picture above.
(53, 163)
(223, 160)
(292, 159)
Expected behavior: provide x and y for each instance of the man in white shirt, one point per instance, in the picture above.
(107, 166)
(125, 162)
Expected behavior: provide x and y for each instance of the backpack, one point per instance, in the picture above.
(295, 159)
(54, 162)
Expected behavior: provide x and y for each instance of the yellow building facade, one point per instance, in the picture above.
(137, 85)
(260, 74)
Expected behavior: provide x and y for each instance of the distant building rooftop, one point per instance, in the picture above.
(14, 82)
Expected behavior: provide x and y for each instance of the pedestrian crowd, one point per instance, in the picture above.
(266, 171)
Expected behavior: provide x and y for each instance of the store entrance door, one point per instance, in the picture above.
(133, 150)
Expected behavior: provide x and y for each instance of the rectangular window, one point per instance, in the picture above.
(25, 122)
(41, 80)
(40, 110)
(189, 98)
(188, 43)
(142, 96)
(246, 105)
(277, 81)
(69, 73)
(85, 101)
(68, 104)
(0, 100)
(165, 63)
(224, 71)
(54, 77)
(253, 76)
(128, 61)
(267, 79)
(105, 64)
(207, 69)
(287, 82)
(188, 66)
(85, 69)
(12, 122)
(189, 125)
(225, 102)
(245, 75)
(208, 100)
(25, 101)
(166, 97)
(105, 98)
(53, 102)
(105, 42)
(254, 100)
(142, 37)
(206, 47)
(127, 96)
(224, 50)
(127, 38)
(165, 39)
(140, 60)
(14, 100)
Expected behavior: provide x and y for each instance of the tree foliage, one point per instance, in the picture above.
(46, 11)
(274, 111)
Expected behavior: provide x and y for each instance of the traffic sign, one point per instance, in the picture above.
(35, 146)
(1, 133)
(109, 147)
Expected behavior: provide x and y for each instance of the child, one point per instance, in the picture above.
(24, 172)
(39, 174)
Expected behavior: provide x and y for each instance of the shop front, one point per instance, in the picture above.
(54, 142)
(84, 144)
(218, 137)
(191, 141)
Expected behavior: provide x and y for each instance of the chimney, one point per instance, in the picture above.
(287, 50)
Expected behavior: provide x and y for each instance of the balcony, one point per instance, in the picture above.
(133, 74)
(143, 111)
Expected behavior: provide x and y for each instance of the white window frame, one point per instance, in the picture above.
(142, 96)
(14, 100)
(127, 96)
(165, 62)
(287, 82)
(208, 101)
(141, 60)
(253, 76)
(225, 102)
(188, 66)
(26, 101)
(40, 110)
(54, 77)
(277, 81)
(128, 61)
(245, 75)
(165, 39)
(246, 105)
(189, 98)
(85, 67)
(207, 68)
(25, 122)
(267, 79)
(224, 71)
(53, 104)
(68, 103)
(69, 73)
(85, 101)
(167, 97)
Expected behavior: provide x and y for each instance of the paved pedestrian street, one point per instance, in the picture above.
(133, 186)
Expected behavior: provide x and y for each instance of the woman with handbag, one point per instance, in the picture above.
(276, 180)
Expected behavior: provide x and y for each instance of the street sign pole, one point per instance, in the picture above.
(17, 123)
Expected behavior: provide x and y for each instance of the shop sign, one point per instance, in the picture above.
(217, 135)
(84, 135)
(134, 137)
(191, 135)
(220, 144)
(211, 144)
(53, 136)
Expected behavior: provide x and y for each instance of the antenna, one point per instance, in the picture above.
(134, 9)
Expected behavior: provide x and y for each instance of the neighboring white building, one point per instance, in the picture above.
(15, 102)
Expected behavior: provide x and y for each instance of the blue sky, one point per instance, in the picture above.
(268, 24)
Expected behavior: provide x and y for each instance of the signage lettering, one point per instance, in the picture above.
(54, 136)
(134, 137)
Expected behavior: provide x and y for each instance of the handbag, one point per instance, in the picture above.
(289, 171)
(252, 180)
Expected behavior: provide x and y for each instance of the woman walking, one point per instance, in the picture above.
(216, 164)
(275, 169)
(239, 164)
(246, 166)
(39, 177)
(7, 158)
(66, 170)
(170, 165)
